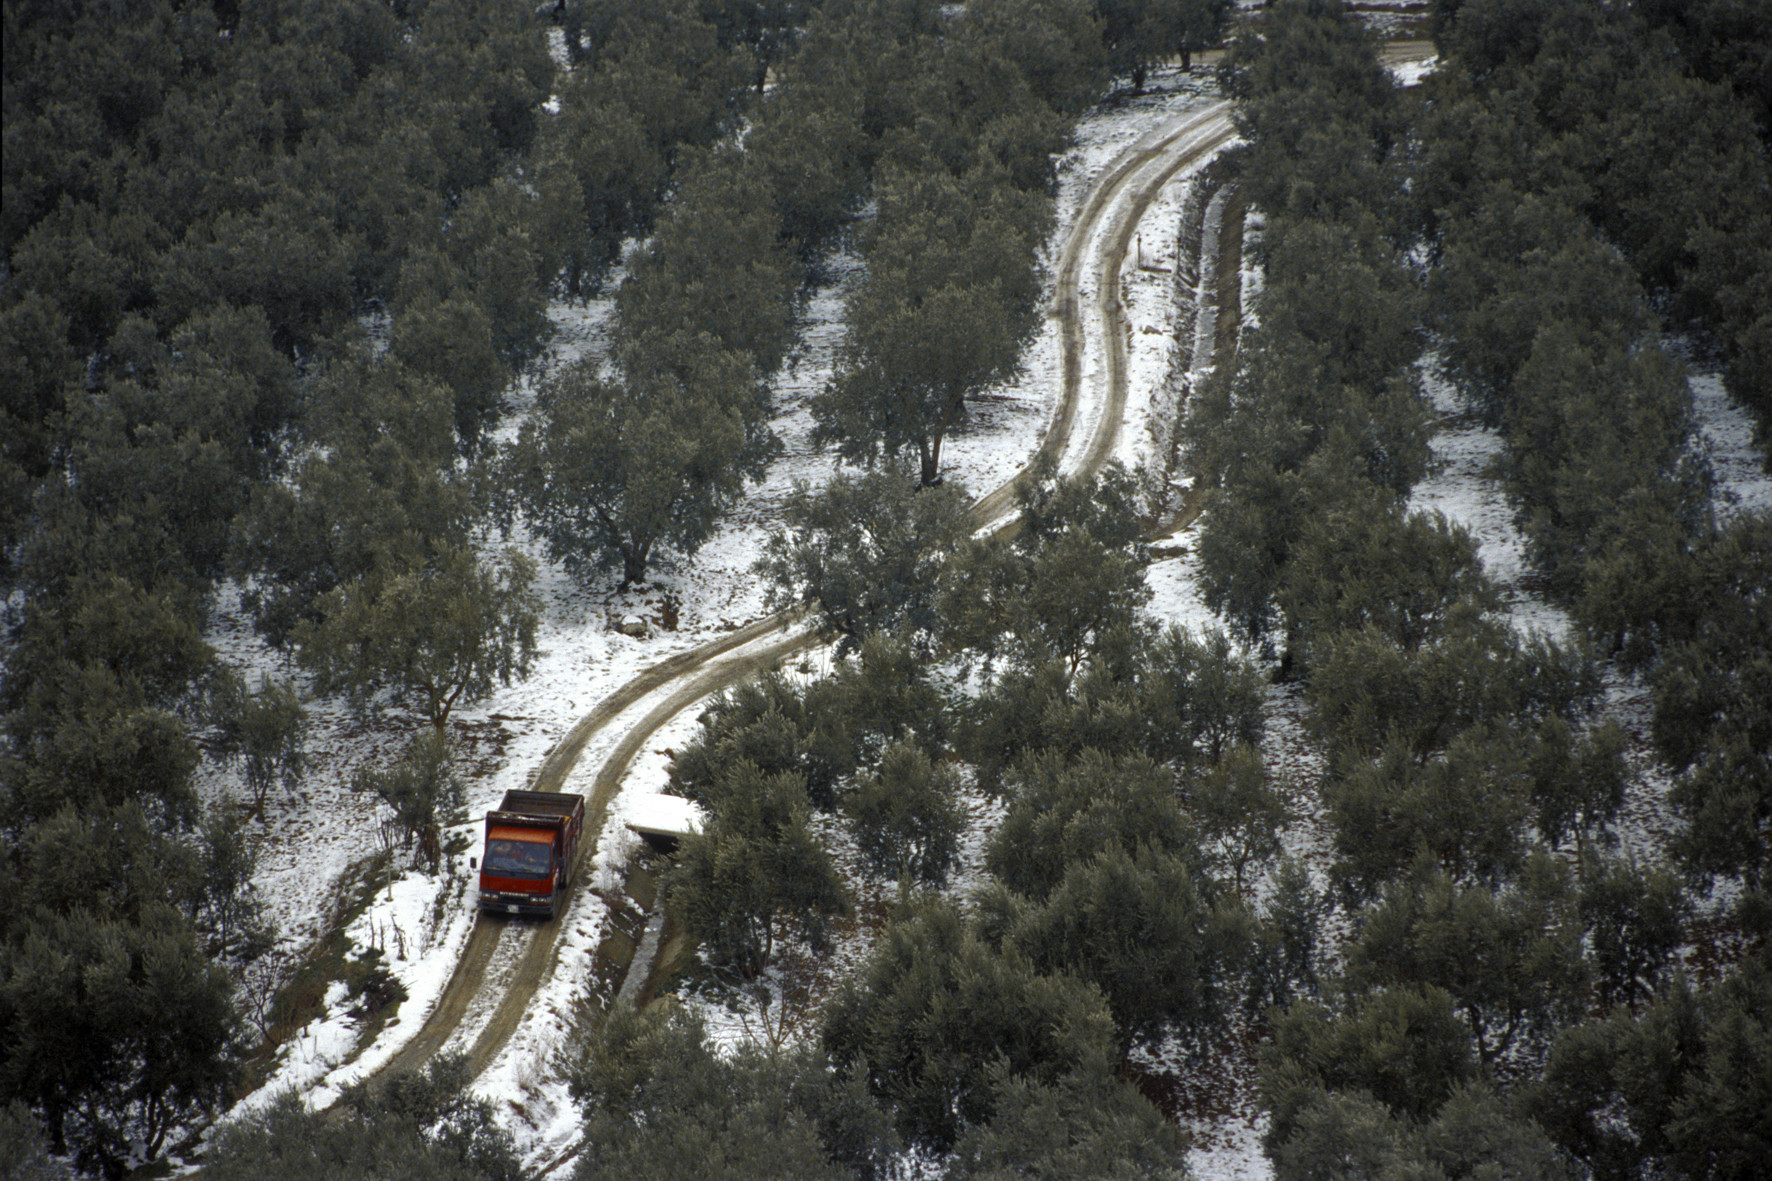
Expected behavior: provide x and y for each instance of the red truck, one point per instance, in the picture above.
(531, 842)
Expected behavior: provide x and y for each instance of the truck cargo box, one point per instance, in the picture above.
(532, 840)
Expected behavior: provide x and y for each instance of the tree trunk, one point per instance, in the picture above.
(633, 566)
(929, 451)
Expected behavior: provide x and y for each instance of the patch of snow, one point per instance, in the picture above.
(1250, 277)
(1461, 489)
(1409, 73)
(1726, 431)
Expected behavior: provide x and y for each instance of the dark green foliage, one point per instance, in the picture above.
(1340, 1134)
(1596, 431)
(715, 266)
(1277, 473)
(1551, 202)
(1288, 939)
(1511, 959)
(823, 734)
(1341, 292)
(1205, 697)
(181, 427)
(1681, 1089)
(1369, 694)
(1467, 811)
(1621, 127)
(753, 871)
(665, 62)
(1550, 258)
(1514, 263)
(1409, 578)
(441, 635)
(451, 341)
(1478, 1134)
(1635, 918)
(1141, 34)
(1658, 588)
(1406, 1047)
(1711, 719)
(767, 29)
(811, 148)
(1577, 783)
(1068, 576)
(89, 692)
(868, 551)
(1050, 601)
(115, 859)
(629, 1050)
(761, 721)
(1159, 939)
(616, 473)
(938, 1021)
(976, 117)
(269, 268)
(1170, 696)
(882, 698)
(1055, 44)
(145, 643)
(423, 789)
(119, 1027)
(602, 174)
(229, 191)
(1320, 111)
(263, 730)
(959, 121)
(435, 1104)
(1721, 42)
(377, 497)
(947, 301)
(1029, 712)
(906, 818)
(1344, 1134)
(1236, 812)
(1063, 812)
(24, 1149)
(1083, 1125)
(229, 909)
(1726, 796)
(36, 364)
(422, 1125)
(659, 1103)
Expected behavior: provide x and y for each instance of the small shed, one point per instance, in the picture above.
(662, 821)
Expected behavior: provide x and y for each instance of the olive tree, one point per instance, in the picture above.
(616, 472)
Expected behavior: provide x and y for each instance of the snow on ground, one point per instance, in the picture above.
(1727, 433)
(1391, 18)
(1148, 303)
(1408, 73)
(309, 841)
(1464, 451)
(1459, 488)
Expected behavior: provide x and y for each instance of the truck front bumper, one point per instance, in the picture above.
(511, 903)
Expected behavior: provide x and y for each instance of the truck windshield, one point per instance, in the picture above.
(517, 859)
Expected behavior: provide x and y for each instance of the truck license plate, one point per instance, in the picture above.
(511, 906)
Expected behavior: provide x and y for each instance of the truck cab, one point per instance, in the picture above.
(531, 845)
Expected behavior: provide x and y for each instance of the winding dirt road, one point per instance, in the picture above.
(1080, 438)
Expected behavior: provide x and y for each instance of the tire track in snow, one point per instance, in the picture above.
(1097, 244)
